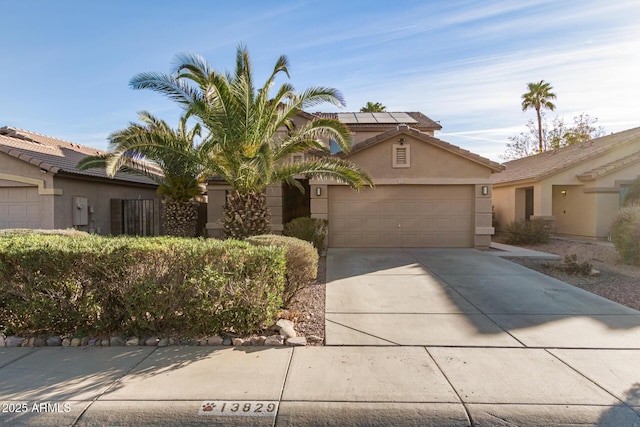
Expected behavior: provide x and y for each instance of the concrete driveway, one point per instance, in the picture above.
(464, 297)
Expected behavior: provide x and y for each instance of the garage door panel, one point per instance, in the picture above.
(401, 215)
(19, 207)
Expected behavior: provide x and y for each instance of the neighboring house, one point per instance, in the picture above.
(40, 187)
(428, 193)
(577, 188)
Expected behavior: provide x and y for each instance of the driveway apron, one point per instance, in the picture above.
(464, 297)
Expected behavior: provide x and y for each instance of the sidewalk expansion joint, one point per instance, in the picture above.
(112, 385)
(466, 410)
(284, 383)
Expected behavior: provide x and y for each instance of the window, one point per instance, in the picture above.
(401, 156)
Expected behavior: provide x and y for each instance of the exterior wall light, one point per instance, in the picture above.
(318, 191)
(485, 190)
(563, 192)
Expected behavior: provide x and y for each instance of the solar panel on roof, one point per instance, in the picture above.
(403, 118)
(365, 118)
(347, 118)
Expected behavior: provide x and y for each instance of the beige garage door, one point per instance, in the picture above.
(401, 216)
(19, 207)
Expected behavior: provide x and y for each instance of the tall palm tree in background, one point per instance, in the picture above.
(251, 135)
(538, 97)
(373, 107)
(169, 157)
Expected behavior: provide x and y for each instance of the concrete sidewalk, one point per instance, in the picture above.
(497, 345)
(409, 386)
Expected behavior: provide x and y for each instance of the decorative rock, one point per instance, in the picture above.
(66, 342)
(28, 342)
(314, 339)
(105, 342)
(274, 340)
(172, 341)
(203, 341)
(13, 341)
(163, 342)
(297, 341)
(247, 342)
(227, 341)
(152, 341)
(75, 342)
(2, 337)
(594, 272)
(238, 342)
(258, 340)
(116, 341)
(39, 342)
(84, 341)
(286, 328)
(215, 340)
(54, 342)
(132, 342)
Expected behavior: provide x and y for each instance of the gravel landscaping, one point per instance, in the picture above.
(616, 281)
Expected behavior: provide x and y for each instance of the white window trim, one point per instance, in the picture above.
(394, 156)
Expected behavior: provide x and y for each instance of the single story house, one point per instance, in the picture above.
(577, 188)
(428, 193)
(41, 188)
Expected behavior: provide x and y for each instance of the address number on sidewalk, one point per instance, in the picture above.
(238, 408)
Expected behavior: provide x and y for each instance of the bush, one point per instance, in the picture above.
(573, 267)
(313, 230)
(527, 232)
(302, 262)
(136, 286)
(625, 233)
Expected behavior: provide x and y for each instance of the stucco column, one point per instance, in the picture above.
(274, 203)
(482, 216)
(543, 204)
(216, 200)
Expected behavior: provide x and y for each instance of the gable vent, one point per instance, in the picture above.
(401, 155)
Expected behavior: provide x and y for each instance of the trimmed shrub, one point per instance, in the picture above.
(313, 230)
(137, 286)
(527, 232)
(625, 233)
(302, 262)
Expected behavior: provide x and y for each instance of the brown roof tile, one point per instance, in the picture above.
(55, 155)
(550, 162)
(496, 167)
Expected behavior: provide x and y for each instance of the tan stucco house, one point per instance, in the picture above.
(577, 188)
(428, 193)
(40, 187)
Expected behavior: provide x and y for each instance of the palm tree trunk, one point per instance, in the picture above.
(246, 214)
(180, 218)
(539, 129)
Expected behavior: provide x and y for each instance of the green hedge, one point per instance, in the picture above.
(302, 262)
(136, 286)
(313, 230)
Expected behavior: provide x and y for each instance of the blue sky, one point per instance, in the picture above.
(66, 64)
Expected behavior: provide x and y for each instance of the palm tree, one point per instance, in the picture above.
(169, 157)
(538, 97)
(372, 107)
(251, 136)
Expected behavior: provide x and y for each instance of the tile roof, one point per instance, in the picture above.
(55, 155)
(398, 129)
(422, 122)
(550, 162)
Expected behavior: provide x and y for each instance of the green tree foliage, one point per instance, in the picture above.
(539, 96)
(171, 158)
(373, 107)
(554, 135)
(251, 134)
